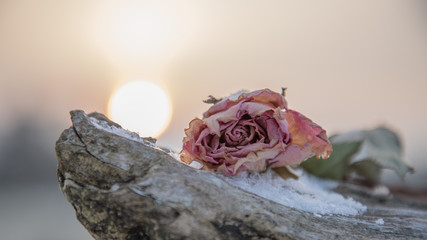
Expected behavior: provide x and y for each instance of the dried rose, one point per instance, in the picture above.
(251, 133)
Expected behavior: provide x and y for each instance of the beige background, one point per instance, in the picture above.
(347, 65)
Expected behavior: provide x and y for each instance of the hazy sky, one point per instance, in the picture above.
(347, 64)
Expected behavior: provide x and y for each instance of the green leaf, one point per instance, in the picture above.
(381, 146)
(368, 170)
(364, 153)
(337, 165)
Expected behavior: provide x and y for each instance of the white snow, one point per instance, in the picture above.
(381, 191)
(195, 164)
(120, 131)
(380, 221)
(177, 157)
(308, 193)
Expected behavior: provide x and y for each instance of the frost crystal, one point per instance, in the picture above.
(120, 132)
(308, 193)
(380, 221)
(177, 157)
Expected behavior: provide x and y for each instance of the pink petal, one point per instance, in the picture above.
(292, 156)
(265, 96)
(303, 131)
(219, 107)
(256, 161)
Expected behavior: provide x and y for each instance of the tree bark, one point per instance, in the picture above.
(123, 188)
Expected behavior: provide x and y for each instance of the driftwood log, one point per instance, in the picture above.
(122, 188)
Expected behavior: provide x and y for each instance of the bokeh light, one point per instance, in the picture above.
(142, 107)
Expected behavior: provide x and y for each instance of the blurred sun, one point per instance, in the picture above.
(142, 107)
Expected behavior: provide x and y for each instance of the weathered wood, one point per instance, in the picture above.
(124, 189)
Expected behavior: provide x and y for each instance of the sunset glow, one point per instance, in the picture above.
(142, 107)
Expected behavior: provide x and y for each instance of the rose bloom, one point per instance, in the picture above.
(251, 133)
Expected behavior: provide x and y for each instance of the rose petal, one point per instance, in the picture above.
(256, 161)
(292, 156)
(194, 130)
(235, 113)
(192, 133)
(226, 170)
(303, 131)
(266, 96)
(253, 109)
(219, 107)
